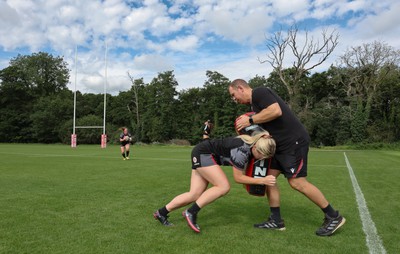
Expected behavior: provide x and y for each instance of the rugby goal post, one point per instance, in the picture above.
(74, 127)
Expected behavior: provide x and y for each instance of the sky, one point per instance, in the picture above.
(187, 36)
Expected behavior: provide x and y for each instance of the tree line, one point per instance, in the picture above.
(356, 100)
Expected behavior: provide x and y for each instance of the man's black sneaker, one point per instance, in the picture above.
(330, 225)
(191, 220)
(162, 219)
(271, 224)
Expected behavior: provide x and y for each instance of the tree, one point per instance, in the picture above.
(384, 123)
(133, 104)
(22, 83)
(191, 117)
(84, 136)
(218, 105)
(42, 72)
(366, 67)
(89, 104)
(307, 55)
(159, 116)
(117, 111)
(273, 81)
(354, 101)
(49, 114)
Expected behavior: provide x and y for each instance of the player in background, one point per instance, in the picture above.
(206, 161)
(125, 138)
(208, 126)
(290, 159)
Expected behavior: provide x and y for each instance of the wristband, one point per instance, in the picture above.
(251, 120)
(207, 129)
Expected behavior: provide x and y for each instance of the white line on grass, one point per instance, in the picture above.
(44, 155)
(322, 166)
(117, 157)
(374, 242)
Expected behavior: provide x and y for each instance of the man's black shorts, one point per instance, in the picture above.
(292, 163)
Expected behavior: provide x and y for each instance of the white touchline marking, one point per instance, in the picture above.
(373, 241)
(43, 155)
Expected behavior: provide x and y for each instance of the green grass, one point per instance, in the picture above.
(54, 199)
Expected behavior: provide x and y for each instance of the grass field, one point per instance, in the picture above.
(54, 199)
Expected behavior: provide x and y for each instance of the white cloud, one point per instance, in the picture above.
(164, 25)
(243, 66)
(68, 14)
(234, 20)
(148, 37)
(8, 15)
(287, 7)
(93, 82)
(139, 19)
(152, 62)
(383, 25)
(184, 43)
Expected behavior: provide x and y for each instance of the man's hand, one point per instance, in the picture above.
(242, 122)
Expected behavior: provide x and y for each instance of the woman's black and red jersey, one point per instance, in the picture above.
(123, 136)
(216, 151)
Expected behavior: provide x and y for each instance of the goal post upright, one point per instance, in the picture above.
(73, 136)
(104, 136)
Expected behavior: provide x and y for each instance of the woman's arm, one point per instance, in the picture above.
(239, 177)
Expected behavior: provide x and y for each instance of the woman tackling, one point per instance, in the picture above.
(206, 161)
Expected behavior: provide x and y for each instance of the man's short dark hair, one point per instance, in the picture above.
(238, 82)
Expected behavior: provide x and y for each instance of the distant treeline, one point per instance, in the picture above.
(343, 105)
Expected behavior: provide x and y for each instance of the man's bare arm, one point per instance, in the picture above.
(268, 114)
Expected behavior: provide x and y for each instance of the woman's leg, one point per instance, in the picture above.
(127, 146)
(197, 186)
(123, 151)
(217, 177)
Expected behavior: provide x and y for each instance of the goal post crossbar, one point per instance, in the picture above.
(88, 127)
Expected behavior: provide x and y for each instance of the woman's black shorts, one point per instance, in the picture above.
(202, 159)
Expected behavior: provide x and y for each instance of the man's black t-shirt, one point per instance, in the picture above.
(286, 129)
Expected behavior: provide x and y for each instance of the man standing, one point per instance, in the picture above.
(290, 158)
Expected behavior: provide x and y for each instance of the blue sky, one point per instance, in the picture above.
(187, 36)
